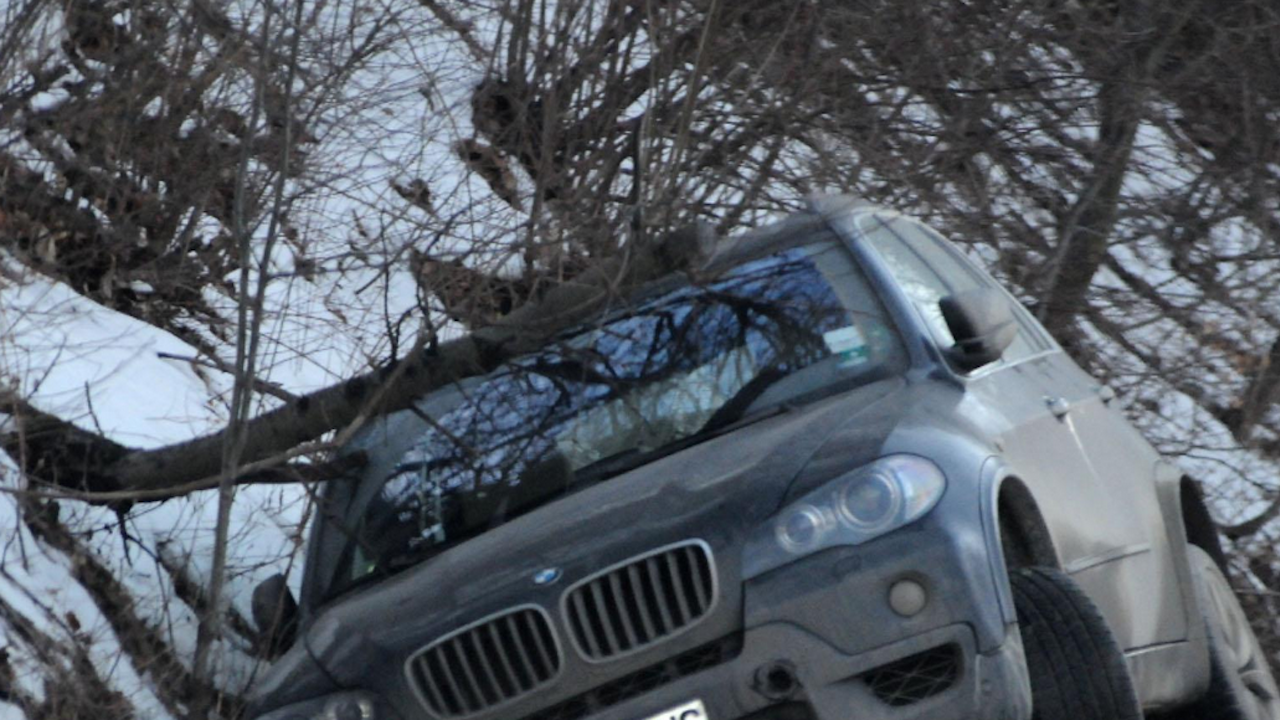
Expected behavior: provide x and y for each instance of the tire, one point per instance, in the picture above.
(1241, 685)
(1076, 668)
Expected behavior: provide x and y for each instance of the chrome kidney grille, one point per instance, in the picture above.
(486, 664)
(646, 599)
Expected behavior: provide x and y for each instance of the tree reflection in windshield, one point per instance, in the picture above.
(638, 383)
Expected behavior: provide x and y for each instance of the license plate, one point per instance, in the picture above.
(692, 710)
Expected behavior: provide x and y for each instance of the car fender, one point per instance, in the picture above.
(993, 472)
(1171, 674)
(962, 455)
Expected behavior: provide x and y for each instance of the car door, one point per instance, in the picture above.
(1037, 397)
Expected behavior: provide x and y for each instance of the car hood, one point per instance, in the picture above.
(718, 491)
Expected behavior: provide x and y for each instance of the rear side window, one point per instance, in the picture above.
(928, 270)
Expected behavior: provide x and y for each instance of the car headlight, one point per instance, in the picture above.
(854, 508)
(354, 705)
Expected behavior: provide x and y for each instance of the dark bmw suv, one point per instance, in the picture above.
(831, 471)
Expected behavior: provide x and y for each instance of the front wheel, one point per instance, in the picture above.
(1242, 686)
(1076, 668)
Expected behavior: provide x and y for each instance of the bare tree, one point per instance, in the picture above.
(440, 185)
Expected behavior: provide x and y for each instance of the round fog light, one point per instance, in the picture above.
(907, 598)
(349, 707)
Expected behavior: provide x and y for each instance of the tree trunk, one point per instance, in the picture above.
(1085, 230)
(106, 471)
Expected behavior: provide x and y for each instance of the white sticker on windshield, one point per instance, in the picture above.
(849, 344)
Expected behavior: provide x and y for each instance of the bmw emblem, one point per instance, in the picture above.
(546, 576)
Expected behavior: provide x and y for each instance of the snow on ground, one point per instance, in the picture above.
(109, 373)
(37, 583)
(104, 371)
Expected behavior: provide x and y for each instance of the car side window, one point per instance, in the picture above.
(928, 270)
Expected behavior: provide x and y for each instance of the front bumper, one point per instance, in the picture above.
(820, 642)
(831, 685)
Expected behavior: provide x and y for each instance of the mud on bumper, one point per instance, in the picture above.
(821, 643)
(782, 672)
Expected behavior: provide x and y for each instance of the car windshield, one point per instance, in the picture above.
(682, 363)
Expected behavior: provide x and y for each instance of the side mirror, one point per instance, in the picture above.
(275, 612)
(982, 324)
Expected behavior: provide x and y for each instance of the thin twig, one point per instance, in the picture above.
(263, 386)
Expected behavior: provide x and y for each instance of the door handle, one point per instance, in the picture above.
(1106, 394)
(1058, 406)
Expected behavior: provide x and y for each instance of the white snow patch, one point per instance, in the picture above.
(99, 368)
(49, 99)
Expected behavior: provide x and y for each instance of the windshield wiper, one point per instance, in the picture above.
(736, 407)
(384, 568)
(609, 465)
(633, 458)
(732, 415)
(743, 402)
